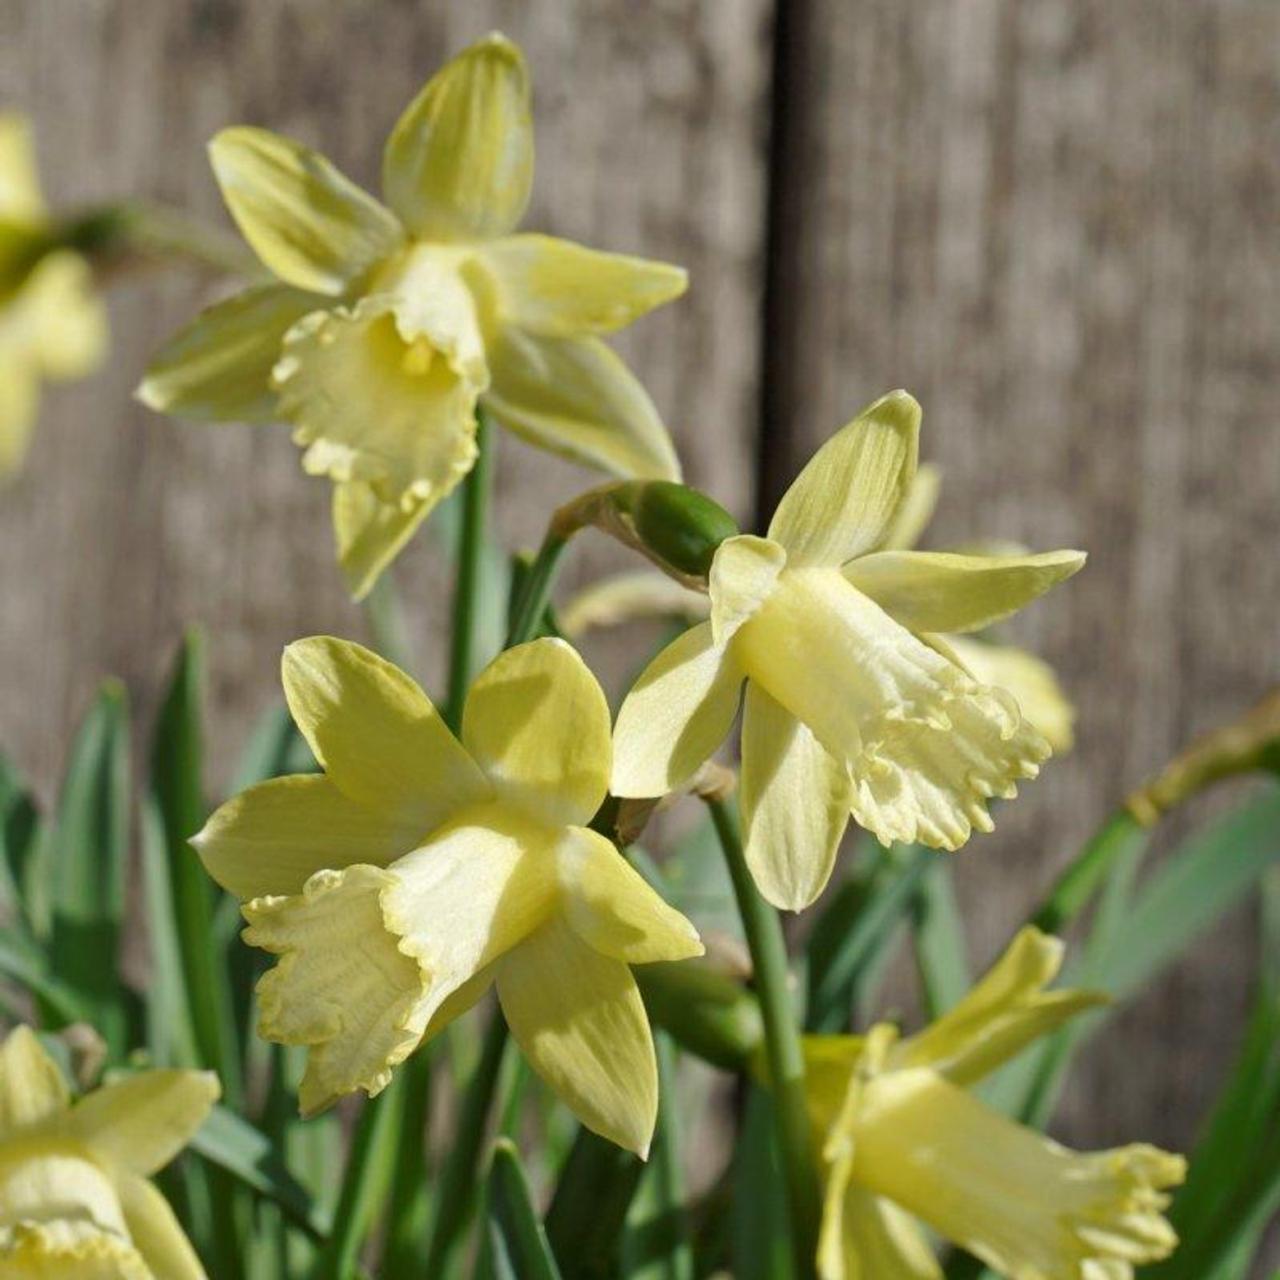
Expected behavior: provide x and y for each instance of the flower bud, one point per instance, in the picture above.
(706, 1012)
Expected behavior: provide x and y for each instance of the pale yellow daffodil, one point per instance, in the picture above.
(902, 1139)
(418, 871)
(52, 325)
(1031, 680)
(853, 702)
(389, 324)
(75, 1202)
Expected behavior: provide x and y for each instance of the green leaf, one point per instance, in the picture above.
(272, 750)
(23, 844)
(942, 957)
(176, 791)
(87, 868)
(760, 1246)
(517, 1243)
(247, 1154)
(1121, 838)
(21, 961)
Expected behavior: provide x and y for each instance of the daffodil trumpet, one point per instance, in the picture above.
(388, 323)
(855, 704)
(421, 870)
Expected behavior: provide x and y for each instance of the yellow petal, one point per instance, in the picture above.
(20, 198)
(1031, 681)
(477, 889)
(925, 744)
(866, 1237)
(676, 715)
(1012, 1197)
(915, 511)
(219, 367)
(271, 838)
(140, 1123)
(342, 986)
(941, 591)
(626, 597)
(609, 905)
(459, 163)
(558, 289)
(579, 1019)
(309, 224)
(156, 1232)
(68, 1249)
(370, 533)
(843, 503)
(536, 721)
(795, 803)
(1007, 1010)
(458, 1002)
(575, 397)
(66, 322)
(31, 1085)
(376, 733)
(743, 575)
(376, 403)
(19, 402)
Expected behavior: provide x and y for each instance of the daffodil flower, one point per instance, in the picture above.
(52, 326)
(1031, 680)
(853, 702)
(902, 1139)
(418, 871)
(389, 323)
(74, 1197)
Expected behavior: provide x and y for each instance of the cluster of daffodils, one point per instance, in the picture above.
(422, 868)
(75, 1201)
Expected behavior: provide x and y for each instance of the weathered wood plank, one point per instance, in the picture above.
(1055, 223)
(127, 526)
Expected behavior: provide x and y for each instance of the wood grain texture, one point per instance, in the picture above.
(1055, 223)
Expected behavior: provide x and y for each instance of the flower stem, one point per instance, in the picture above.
(535, 591)
(782, 1044)
(466, 591)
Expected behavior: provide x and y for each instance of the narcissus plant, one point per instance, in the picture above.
(419, 871)
(388, 324)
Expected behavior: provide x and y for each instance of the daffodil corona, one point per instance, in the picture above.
(52, 326)
(74, 1197)
(389, 324)
(854, 703)
(902, 1139)
(418, 871)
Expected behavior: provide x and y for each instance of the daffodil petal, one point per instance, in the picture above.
(19, 401)
(578, 1017)
(795, 803)
(609, 905)
(141, 1122)
(941, 591)
(156, 1232)
(872, 1238)
(273, 837)
(575, 397)
(32, 1087)
(370, 533)
(925, 744)
(558, 289)
(536, 721)
(1031, 681)
(458, 1002)
(68, 1249)
(311, 226)
(376, 734)
(1002, 1014)
(1010, 1196)
(915, 510)
(743, 574)
(67, 321)
(342, 985)
(843, 503)
(677, 714)
(459, 163)
(20, 198)
(219, 367)
(477, 889)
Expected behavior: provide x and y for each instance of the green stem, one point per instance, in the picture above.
(114, 235)
(466, 591)
(365, 1184)
(455, 1193)
(782, 1045)
(526, 617)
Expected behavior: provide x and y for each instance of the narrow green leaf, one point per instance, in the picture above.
(1120, 838)
(23, 843)
(760, 1234)
(22, 962)
(88, 865)
(246, 1153)
(517, 1242)
(273, 742)
(937, 931)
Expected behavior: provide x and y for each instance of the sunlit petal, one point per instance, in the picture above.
(370, 533)
(156, 1232)
(743, 574)
(32, 1087)
(20, 197)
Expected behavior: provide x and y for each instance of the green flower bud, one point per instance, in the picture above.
(704, 1011)
(679, 526)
